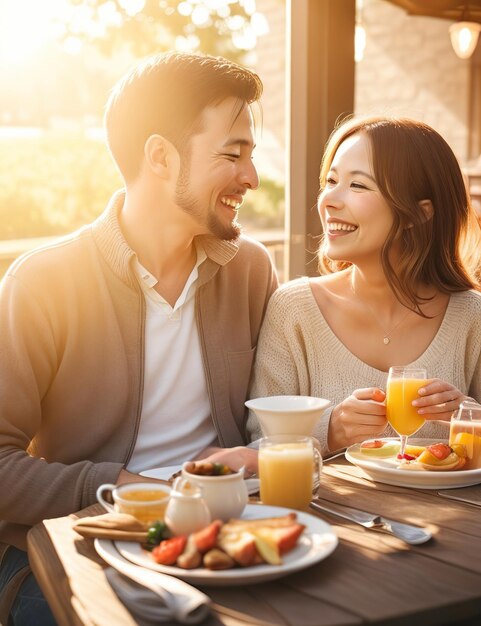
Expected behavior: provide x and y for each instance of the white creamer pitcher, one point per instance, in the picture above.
(187, 510)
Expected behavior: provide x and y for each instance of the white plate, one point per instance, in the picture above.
(164, 473)
(388, 471)
(315, 544)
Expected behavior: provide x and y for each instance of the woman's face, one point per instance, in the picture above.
(355, 216)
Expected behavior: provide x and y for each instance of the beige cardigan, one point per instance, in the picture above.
(298, 353)
(71, 362)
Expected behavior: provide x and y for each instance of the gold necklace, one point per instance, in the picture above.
(386, 334)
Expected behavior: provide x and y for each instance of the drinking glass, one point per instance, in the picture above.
(403, 384)
(465, 430)
(285, 470)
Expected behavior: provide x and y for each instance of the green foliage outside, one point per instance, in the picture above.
(154, 25)
(52, 184)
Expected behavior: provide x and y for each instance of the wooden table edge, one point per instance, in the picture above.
(40, 559)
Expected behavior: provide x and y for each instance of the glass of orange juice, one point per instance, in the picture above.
(403, 384)
(465, 431)
(286, 464)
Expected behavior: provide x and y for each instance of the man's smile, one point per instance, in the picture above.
(234, 202)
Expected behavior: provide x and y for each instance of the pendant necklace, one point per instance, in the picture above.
(386, 334)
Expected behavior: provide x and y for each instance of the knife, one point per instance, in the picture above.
(413, 535)
(474, 497)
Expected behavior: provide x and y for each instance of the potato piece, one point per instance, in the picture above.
(217, 559)
(190, 557)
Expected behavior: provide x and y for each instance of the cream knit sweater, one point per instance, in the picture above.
(299, 354)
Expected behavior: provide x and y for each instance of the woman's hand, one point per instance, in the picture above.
(438, 400)
(361, 416)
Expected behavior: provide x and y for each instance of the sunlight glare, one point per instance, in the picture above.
(25, 25)
(132, 7)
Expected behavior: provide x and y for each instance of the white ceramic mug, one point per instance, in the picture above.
(226, 496)
(145, 501)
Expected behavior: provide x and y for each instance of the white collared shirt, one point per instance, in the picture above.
(175, 422)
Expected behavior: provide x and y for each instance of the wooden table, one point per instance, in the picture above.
(370, 578)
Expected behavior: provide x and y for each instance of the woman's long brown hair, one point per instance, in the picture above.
(411, 163)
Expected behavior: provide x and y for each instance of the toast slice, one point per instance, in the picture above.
(240, 545)
(266, 522)
(249, 542)
(284, 538)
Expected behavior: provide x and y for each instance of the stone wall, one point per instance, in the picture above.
(410, 68)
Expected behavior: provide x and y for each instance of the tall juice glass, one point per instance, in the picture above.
(465, 431)
(403, 384)
(286, 470)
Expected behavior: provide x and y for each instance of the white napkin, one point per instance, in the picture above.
(153, 597)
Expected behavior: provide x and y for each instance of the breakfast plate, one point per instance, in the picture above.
(387, 470)
(316, 543)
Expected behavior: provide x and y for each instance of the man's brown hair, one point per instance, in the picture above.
(166, 95)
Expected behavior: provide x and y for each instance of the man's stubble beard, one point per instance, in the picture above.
(185, 201)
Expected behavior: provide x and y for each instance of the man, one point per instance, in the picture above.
(128, 345)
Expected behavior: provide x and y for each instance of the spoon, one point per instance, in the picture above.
(408, 533)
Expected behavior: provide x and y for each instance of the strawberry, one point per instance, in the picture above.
(406, 457)
(167, 552)
(440, 450)
(374, 443)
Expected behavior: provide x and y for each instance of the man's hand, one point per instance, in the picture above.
(235, 458)
(361, 416)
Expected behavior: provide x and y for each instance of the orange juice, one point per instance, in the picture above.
(402, 416)
(147, 505)
(467, 433)
(285, 471)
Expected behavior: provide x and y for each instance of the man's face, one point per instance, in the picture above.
(217, 169)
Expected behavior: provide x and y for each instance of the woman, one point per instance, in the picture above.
(400, 286)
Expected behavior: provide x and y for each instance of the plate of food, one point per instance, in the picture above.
(264, 544)
(428, 464)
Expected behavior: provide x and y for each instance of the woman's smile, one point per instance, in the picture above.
(338, 228)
